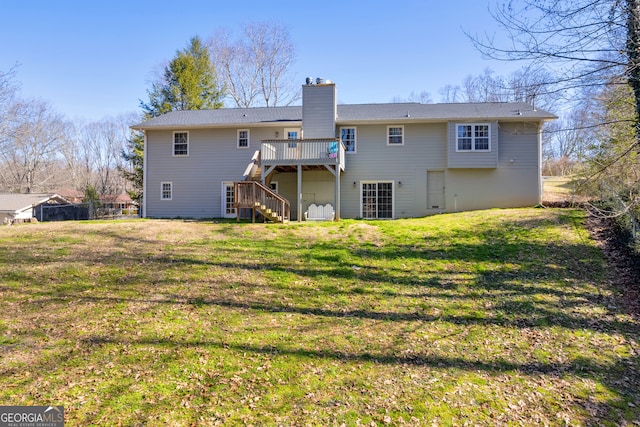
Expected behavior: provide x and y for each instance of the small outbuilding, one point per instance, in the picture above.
(24, 207)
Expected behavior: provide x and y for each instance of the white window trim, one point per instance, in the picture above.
(473, 138)
(294, 142)
(173, 144)
(287, 130)
(355, 139)
(393, 195)
(395, 144)
(162, 190)
(248, 138)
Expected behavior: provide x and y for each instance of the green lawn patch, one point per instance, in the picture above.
(498, 317)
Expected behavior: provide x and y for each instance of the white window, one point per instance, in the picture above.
(181, 143)
(166, 190)
(292, 133)
(348, 138)
(473, 137)
(377, 200)
(243, 138)
(395, 135)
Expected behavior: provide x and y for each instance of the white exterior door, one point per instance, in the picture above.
(228, 211)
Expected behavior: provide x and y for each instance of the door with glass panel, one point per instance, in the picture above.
(377, 200)
(228, 211)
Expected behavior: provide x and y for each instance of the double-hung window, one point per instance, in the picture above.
(181, 143)
(473, 137)
(166, 190)
(348, 138)
(243, 138)
(395, 135)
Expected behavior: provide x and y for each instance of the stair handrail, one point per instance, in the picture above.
(261, 198)
(252, 166)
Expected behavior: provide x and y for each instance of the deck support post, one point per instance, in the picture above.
(299, 193)
(337, 193)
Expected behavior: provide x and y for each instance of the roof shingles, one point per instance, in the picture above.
(348, 113)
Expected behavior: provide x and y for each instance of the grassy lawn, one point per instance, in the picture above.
(500, 317)
(559, 189)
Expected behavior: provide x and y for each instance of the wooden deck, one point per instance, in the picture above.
(303, 152)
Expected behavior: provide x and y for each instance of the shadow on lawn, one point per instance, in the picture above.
(546, 286)
(621, 376)
(507, 313)
(581, 367)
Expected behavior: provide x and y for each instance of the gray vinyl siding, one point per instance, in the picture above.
(214, 158)
(514, 183)
(317, 187)
(470, 189)
(473, 159)
(318, 111)
(519, 146)
(197, 178)
(425, 148)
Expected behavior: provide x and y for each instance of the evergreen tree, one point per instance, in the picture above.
(135, 172)
(189, 82)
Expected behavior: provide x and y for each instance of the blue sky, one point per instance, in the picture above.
(92, 59)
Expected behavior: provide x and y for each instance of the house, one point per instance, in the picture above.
(118, 203)
(367, 160)
(21, 207)
(73, 196)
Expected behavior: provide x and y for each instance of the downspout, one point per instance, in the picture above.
(144, 176)
(540, 185)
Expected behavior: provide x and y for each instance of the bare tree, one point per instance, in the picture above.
(256, 68)
(8, 89)
(593, 49)
(525, 85)
(423, 97)
(582, 43)
(34, 136)
(104, 141)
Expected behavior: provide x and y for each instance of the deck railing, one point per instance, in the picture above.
(255, 196)
(303, 151)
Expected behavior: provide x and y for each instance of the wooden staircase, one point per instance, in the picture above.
(260, 199)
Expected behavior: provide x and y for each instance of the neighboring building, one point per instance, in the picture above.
(73, 196)
(119, 203)
(367, 160)
(21, 207)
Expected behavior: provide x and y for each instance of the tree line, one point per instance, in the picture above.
(43, 151)
(580, 60)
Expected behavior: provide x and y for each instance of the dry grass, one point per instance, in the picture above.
(501, 317)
